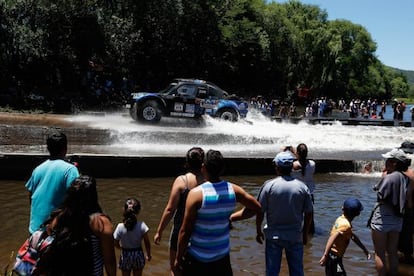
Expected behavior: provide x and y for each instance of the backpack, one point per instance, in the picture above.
(31, 251)
(68, 255)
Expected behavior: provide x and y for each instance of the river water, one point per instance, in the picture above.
(256, 137)
(247, 256)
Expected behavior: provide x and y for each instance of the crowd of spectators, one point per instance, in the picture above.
(323, 107)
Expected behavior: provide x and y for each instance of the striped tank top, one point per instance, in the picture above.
(210, 240)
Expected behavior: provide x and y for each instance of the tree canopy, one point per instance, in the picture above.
(75, 48)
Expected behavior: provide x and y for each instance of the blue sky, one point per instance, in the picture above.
(390, 23)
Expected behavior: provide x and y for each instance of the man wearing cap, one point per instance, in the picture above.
(287, 204)
(387, 216)
(341, 234)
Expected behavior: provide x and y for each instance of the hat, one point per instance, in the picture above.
(353, 206)
(284, 159)
(407, 147)
(395, 154)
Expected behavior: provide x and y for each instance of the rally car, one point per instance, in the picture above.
(186, 98)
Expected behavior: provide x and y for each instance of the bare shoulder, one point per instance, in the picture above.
(237, 189)
(179, 183)
(410, 174)
(195, 197)
(296, 165)
(99, 222)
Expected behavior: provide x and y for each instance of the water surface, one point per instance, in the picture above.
(247, 256)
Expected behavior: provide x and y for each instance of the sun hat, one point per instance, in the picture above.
(395, 154)
(352, 206)
(407, 147)
(284, 159)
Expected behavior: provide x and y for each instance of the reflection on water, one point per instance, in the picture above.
(247, 256)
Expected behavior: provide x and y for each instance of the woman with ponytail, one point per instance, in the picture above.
(304, 169)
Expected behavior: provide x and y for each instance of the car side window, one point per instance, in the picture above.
(187, 90)
(214, 93)
(202, 92)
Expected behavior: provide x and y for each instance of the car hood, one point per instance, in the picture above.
(138, 95)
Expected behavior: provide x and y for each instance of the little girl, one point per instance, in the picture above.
(128, 236)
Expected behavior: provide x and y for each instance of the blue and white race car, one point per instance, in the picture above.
(186, 98)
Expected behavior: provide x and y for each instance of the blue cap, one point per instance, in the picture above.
(353, 206)
(284, 159)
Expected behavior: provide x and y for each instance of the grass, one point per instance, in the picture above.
(7, 269)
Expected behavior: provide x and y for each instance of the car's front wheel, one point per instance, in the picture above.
(228, 114)
(149, 112)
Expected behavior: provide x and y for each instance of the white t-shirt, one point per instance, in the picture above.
(130, 239)
(308, 177)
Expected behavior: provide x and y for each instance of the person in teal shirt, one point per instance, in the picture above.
(49, 181)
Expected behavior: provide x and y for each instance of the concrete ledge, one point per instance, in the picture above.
(20, 166)
(344, 121)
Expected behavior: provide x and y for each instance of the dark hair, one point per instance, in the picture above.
(81, 201)
(56, 142)
(82, 196)
(302, 153)
(194, 159)
(72, 232)
(132, 207)
(402, 166)
(214, 163)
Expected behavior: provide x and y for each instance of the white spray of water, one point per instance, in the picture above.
(258, 136)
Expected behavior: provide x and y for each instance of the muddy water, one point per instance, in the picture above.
(247, 256)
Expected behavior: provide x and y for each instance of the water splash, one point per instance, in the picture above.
(257, 136)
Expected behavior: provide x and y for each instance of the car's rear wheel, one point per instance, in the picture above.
(228, 114)
(149, 112)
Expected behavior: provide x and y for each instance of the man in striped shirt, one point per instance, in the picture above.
(204, 239)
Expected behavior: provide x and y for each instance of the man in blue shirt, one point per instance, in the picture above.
(286, 203)
(49, 181)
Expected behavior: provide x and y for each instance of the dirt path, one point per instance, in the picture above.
(34, 119)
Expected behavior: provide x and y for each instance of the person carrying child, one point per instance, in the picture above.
(128, 236)
(339, 238)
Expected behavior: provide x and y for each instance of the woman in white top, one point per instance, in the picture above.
(304, 169)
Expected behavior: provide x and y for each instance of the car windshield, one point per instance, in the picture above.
(169, 88)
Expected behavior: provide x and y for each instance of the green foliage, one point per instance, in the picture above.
(247, 46)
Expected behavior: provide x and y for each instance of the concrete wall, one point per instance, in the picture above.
(20, 166)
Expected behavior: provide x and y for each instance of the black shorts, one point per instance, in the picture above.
(221, 267)
(174, 238)
(334, 266)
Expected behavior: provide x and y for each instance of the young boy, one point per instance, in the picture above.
(339, 238)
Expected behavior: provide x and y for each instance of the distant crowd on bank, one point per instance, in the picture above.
(323, 107)
(64, 207)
